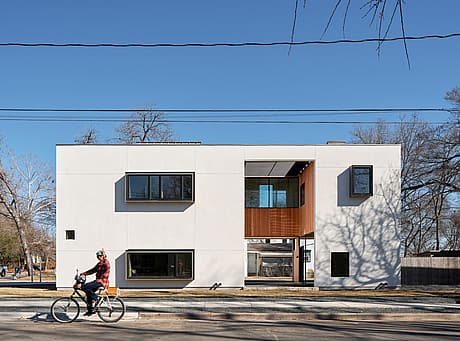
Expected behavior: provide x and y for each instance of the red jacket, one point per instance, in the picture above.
(102, 270)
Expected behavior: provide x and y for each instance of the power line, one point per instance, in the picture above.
(230, 116)
(280, 110)
(210, 121)
(242, 44)
(171, 116)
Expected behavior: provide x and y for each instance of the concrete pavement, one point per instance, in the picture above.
(257, 308)
(288, 303)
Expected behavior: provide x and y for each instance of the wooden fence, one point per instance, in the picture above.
(430, 270)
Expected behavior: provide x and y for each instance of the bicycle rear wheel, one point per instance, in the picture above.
(65, 310)
(111, 309)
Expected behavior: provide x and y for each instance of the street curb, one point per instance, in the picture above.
(302, 316)
(45, 316)
(132, 316)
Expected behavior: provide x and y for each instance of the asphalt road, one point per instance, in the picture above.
(229, 330)
(258, 305)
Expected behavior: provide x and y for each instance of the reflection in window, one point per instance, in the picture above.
(361, 181)
(138, 186)
(160, 264)
(307, 256)
(171, 187)
(271, 192)
(159, 187)
(155, 191)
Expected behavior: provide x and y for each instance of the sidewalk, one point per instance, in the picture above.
(256, 304)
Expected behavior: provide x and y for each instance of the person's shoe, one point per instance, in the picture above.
(89, 313)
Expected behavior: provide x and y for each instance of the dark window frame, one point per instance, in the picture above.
(336, 270)
(149, 175)
(70, 234)
(354, 192)
(272, 181)
(129, 277)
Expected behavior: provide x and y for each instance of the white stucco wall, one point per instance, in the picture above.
(367, 228)
(90, 200)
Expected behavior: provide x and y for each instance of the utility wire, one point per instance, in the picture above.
(197, 116)
(287, 43)
(281, 110)
(230, 116)
(211, 121)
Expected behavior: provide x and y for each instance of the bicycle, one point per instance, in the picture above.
(109, 306)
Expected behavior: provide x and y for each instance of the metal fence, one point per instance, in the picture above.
(430, 270)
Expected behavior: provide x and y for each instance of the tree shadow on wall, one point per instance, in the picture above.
(368, 229)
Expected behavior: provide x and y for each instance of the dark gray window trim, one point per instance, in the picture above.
(353, 190)
(127, 199)
(191, 251)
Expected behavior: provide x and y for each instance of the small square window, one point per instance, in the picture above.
(340, 264)
(361, 183)
(70, 234)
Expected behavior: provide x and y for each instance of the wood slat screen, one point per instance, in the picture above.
(306, 211)
(284, 222)
(272, 222)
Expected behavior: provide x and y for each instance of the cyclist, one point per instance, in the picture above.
(102, 270)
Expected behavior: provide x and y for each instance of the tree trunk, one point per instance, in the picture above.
(25, 246)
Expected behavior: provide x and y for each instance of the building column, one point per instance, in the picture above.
(295, 259)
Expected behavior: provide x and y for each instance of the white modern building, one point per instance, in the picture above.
(178, 215)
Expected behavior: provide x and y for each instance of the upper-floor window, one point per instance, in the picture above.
(272, 192)
(160, 186)
(361, 183)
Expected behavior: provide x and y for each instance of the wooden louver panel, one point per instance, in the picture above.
(272, 222)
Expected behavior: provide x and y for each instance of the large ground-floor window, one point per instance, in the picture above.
(160, 264)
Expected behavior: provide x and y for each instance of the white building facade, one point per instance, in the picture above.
(177, 215)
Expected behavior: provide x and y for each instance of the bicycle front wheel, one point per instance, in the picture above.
(65, 310)
(111, 309)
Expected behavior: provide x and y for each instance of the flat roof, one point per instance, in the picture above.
(222, 144)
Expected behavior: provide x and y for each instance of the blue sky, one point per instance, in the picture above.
(323, 77)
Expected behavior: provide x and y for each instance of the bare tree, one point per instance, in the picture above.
(454, 96)
(411, 134)
(144, 126)
(27, 198)
(451, 233)
(430, 175)
(9, 243)
(91, 136)
(381, 13)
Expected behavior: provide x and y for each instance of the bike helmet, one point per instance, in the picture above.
(100, 253)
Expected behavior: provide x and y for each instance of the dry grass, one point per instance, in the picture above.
(276, 292)
(248, 292)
